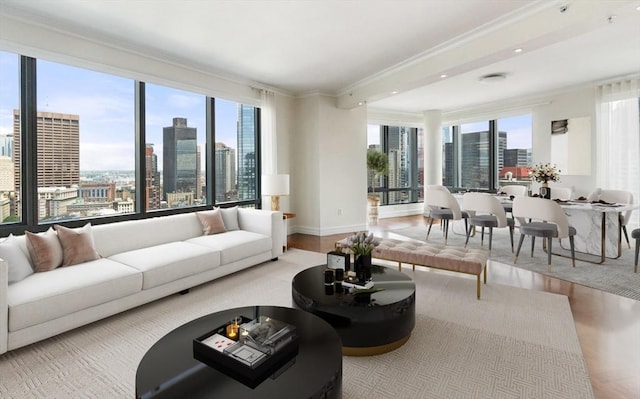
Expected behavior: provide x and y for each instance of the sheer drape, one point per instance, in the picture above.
(269, 138)
(618, 138)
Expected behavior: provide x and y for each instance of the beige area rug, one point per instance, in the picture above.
(514, 343)
(615, 276)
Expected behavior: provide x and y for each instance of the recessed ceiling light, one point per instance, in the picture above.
(444, 75)
(394, 92)
(493, 78)
(360, 103)
(518, 50)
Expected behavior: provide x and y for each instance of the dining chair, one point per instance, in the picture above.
(539, 217)
(561, 193)
(441, 204)
(635, 234)
(485, 210)
(619, 197)
(512, 190)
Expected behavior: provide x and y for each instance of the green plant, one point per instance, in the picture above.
(377, 165)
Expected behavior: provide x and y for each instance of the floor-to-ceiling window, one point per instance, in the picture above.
(78, 144)
(484, 155)
(9, 133)
(405, 178)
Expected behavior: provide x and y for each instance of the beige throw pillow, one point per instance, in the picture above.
(211, 222)
(45, 250)
(77, 245)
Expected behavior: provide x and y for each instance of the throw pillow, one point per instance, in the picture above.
(19, 266)
(212, 222)
(45, 250)
(230, 218)
(77, 245)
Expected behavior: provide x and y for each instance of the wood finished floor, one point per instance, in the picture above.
(608, 325)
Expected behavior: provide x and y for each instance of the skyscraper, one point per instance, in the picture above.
(152, 178)
(58, 149)
(246, 152)
(225, 173)
(180, 172)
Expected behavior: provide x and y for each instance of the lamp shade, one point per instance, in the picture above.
(275, 184)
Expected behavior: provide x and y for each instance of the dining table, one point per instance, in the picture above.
(598, 227)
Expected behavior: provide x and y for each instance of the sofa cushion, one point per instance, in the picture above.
(230, 218)
(165, 263)
(235, 245)
(77, 245)
(46, 296)
(45, 250)
(115, 238)
(19, 266)
(211, 222)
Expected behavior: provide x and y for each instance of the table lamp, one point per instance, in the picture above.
(275, 186)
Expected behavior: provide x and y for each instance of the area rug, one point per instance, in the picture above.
(615, 276)
(514, 343)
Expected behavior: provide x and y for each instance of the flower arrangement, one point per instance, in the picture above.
(361, 243)
(544, 173)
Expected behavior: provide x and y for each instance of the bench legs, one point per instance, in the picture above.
(478, 285)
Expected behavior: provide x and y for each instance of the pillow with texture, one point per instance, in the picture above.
(230, 218)
(45, 250)
(212, 222)
(77, 245)
(19, 266)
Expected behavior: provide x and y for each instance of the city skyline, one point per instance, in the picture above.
(105, 104)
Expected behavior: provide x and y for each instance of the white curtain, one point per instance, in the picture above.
(618, 139)
(269, 140)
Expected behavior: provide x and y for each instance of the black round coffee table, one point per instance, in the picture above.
(366, 326)
(169, 370)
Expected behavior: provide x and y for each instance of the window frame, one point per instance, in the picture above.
(28, 153)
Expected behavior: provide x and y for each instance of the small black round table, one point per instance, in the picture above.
(169, 370)
(368, 325)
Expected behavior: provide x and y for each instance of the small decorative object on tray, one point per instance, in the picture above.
(352, 281)
(263, 346)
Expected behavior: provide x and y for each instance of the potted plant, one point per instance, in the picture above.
(377, 165)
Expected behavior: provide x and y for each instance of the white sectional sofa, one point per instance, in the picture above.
(140, 261)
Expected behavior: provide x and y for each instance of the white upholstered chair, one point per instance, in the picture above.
(539, 217)
(512, 190)
(485, 210)
(441, 204)
(619, 197)
(561, 193)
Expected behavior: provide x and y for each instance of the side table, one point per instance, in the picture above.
(285, 219)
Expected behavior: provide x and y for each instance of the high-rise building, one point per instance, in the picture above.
(152, 178)
(58, 149)
(246, 152)
(225, 177)
(475, 158)
(517, 157)
(180, 165)
(6, 145)
(6, 174)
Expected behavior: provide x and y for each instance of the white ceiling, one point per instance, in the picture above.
(363, 50)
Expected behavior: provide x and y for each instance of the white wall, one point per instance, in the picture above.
(573, 104)
(328, 169)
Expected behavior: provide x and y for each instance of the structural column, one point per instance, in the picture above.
(432, 147)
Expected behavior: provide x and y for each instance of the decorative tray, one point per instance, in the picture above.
(262, 347)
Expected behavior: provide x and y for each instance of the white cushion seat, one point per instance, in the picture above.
(165, 263)
(46, 296)
(235, 245)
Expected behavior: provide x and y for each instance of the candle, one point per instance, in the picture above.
(232, 331)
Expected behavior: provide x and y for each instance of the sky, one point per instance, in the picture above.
(106, 104)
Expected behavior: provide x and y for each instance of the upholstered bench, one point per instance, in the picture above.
(451, 258)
